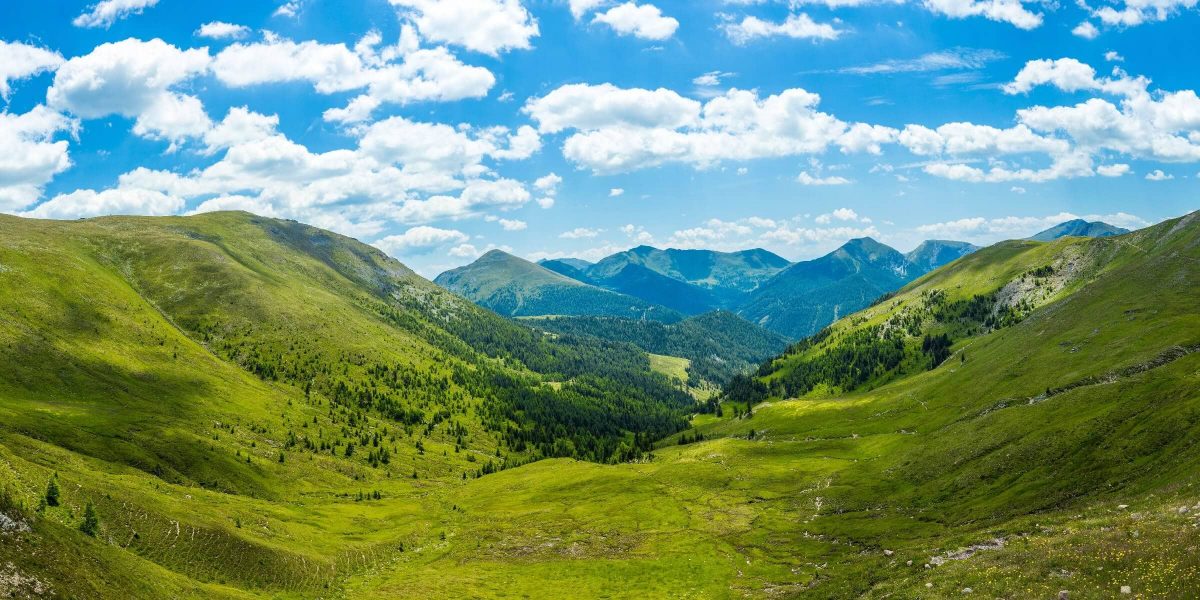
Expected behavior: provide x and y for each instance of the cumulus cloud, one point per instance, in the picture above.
(18, 61)
(89, 203)
(840, 214)
(1005, 11)
(419, 240)
(580, 233)
(795, 26)
(31, 156)
(620, 129)
(512, 224)
(613, 193)
(645, 21)
(135, 79)
(1114, 170)
(1086, 30)
(220, 30)
(400, 172)
(1131, 13)
(107, 12)
(399, 74)
(1159, 175)
(486, 26)
(579, 8)
(594, 107)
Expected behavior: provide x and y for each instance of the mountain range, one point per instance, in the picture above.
(790, 299)
(516, 287)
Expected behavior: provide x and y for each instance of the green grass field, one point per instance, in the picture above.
(134, 370)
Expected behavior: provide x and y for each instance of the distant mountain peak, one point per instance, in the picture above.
(1079, 228)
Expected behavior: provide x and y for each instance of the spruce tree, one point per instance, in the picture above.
(91, 521)
(52, 491)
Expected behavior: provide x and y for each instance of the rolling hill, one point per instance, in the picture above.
(515, 287)
(1079, 228)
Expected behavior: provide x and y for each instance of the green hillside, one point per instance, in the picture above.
(1022, 421)
(718, 345)
(515, 287)
(273, 373)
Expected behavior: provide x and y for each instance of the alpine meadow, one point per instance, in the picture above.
(572, 299)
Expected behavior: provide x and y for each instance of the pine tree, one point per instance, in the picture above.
(52, 491)
(91, 522)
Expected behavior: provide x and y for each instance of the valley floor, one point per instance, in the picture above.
(793, 502)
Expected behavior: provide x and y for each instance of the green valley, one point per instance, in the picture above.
(253, 407)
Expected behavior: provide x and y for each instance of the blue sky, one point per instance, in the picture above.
(439, 129)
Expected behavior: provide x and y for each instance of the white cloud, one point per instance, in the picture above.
(944, 60)
(1114, 170)
(420, 240)
(486, 26)
(240, 126)
(579, 8)
(401, 172)
(513, 225)
(220, 30)
(796, 26)
(711, 78)
(399, 74)
(31, 157)
(1067, 74)
(548, 184)
(613, 193)
(1016, 189)
(465, 251)
(1159, 175)
(1086, 30)
(289, 9)
(637, 234)
(1137, 12)
(593, 107)
(841, 214)
(89, 203)
(645, 21)
(134, 79)
(625, 129)
(1113, 56)
(580, 233)
(18, 61)
(107, 12)
(1005, 11)
(807, 179)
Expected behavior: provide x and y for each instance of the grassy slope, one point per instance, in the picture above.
(129, 346)
(802, 499)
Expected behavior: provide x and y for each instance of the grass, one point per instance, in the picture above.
(827, 496)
